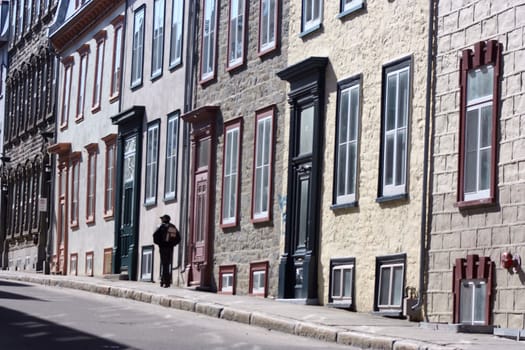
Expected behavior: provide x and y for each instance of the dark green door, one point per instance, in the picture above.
(128, 223)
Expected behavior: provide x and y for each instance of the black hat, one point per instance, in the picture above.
(165, 217)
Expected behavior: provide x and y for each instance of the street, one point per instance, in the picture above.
(39, 317)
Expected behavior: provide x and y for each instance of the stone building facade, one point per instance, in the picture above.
(4, 41)
(238, 112)
(88, 41)
(357, 72)
(29, 127)
(476, 224)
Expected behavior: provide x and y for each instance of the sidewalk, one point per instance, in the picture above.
(360, 330)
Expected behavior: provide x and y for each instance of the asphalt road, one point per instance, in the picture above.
(38, 317)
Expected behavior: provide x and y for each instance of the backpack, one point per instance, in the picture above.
(174, 235)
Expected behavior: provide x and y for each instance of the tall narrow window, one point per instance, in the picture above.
(157, 51)
(92, 150)
(268, 22)
(172, 149)
(75, 178)
(29, 11)
(236, 33)
(312, 13)
(117, 58)
(152, 154)
(82, 77)
(209, 37)
(262, 172)
(479, 83)
(396, 106)
(176, 33)
(347, 142)
(230, 172)
(109, 178)
(66, 92)
(99, 65)
(137, 59)
(20, 17)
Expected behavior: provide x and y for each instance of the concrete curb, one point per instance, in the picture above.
(259, 319)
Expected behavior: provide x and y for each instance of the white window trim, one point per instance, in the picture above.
(97, 91)
(314, 22)
(152, 152)
(117, 60)
(231, 175)
(229, 278)
(259, 275)
(137, 59)
(392, 190)
(212, 38)
(176, 22)
(235, 41)
(348, 197)
(266, 46)
(157, 42)
(340, 299)
(266, 167)
(83, 69)
(172, 139)
(352, 6)
(146, 272)
(390, 285)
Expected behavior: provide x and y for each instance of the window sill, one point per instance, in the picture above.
(114, 98)
(79, 118)
(207, 80)
(310, 30)
(136, 85)
(156, 76)
(90, 221)
(150, 203)
(229, 225)
(234, 66)
(170, 199)
(476, 203)
(348, 205)
(267, 51)
(173, 66)
(63, 127)
(389, 313)
(351, 10)
(396, 197)
(341, 305)
(109, 216)
(95, 109)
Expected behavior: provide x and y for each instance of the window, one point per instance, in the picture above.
(97, 87)
(230, 175)
(82, 77)
(227, 279)
(349, 6)
(89, 264)
(346, 152)
(157, 51)
(176, 33)
(268, 22)
(152, 153)
(137, 59)
(394, 141)
(236, 33)
(20, 17)
(473, 297)
(92, 150)
(263, 158)
(172, 150)
(75, 178)
(117, 58)
(29, 10)
(312, 13)
(73, 264)
(478, 124)
(66, 92)
(108, 256)
(146, 268)
(209, 37)
(259, 278)
(390, 279)
(109, 179)
(342, 275)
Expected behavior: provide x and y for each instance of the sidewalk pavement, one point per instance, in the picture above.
(360, 330)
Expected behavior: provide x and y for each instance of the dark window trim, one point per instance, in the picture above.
(485, 53)
(92, 150)
(261, 113)
(236, 123)
(154, 202)
(111, 142)
(155, 76)
(83, 51)
(387, 68)
(277, 26)
(259, 266)
(224, 269)
(342, 85)
(383, 260)
(233, 67)
(152, 248)
(118, 23)
(64, 115)
(75, 212)
(340, 262)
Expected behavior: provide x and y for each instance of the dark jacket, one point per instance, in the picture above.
(166, 235)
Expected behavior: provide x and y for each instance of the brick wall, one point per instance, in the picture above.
(486, 231)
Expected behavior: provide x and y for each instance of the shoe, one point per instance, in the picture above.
(161, 284)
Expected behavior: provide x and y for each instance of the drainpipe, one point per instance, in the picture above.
(188, 106)
(428, 110)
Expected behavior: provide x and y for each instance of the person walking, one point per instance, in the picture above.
(166, 236)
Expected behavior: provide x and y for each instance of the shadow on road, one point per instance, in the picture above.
(14, 296)
(21, 331)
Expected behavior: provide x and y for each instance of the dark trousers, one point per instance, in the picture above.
(166, 258)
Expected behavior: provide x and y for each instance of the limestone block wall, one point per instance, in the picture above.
(492, 230)
(242, 92)
(361, 44)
